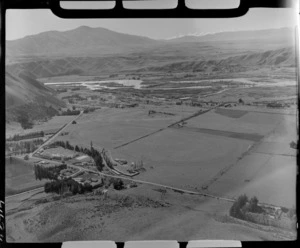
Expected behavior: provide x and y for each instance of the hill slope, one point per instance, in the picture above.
(27, 98)
(23, 89)
(246, 61)
(151, 61)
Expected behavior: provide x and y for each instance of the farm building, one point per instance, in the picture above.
(56, 156)
(94, 182)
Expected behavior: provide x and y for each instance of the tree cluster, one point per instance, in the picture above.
(117, 183)
(64, 144)
(61, 90)
(61, 186)
(50, 172)
(25, 121)
(23, 146)
(88, 110)
(242, 205)
(26, 114)
(70, 112)
(293, 145)
(74, 96)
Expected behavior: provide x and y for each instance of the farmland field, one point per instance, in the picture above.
(268, 170)
(108, 128)
(185, 159)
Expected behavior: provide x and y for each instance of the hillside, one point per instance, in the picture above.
(26, 97)
(247, 61)
(158, 61)
(23, 89)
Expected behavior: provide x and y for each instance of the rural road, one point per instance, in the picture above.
(55, 135)
(154, 184)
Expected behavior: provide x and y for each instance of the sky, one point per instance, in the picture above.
(21, 23)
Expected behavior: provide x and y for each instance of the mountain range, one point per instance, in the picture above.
(87, 41)
(80, 41)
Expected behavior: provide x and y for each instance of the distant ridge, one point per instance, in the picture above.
(284, 33)
(83, 40)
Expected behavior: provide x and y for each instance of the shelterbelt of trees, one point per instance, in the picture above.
(70, 112)
(32, 135)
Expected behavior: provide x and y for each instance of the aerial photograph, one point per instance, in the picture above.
(151, 129)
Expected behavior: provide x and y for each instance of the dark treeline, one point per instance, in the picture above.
(88, 110)
(243, 205)
(18, 137)
(50, 172)
(23, 146)
(90, 152)
(64, 144)
(117, 183)
(65, 185)
(70, 112)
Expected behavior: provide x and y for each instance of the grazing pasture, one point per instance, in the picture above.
(109, 128)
